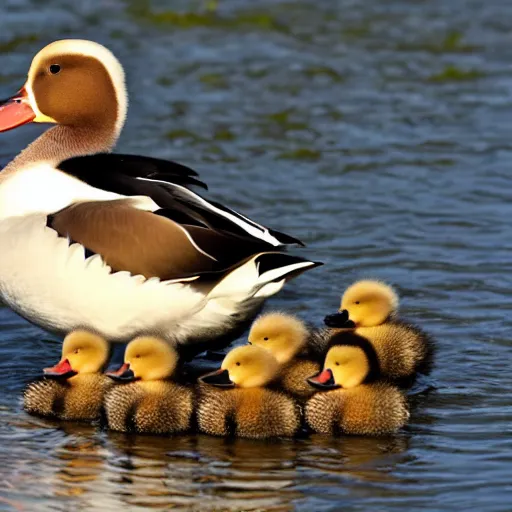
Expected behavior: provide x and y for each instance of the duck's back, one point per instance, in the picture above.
(80, 398)
(44, 397)
(161, 407)
(368, 409)
(402, 349)
(293, 377)
(255, 413)
(261, 413)
(165, 408)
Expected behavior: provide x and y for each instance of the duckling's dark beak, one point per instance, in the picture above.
(62, 370)
(339, 320)
(219, 378)
(124, 374)
(324, 381)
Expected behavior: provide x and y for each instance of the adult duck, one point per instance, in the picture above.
(118, 244)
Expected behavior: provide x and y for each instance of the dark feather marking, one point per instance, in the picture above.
(58, 405)
(129, 421)
(128, 175)
(230, 424)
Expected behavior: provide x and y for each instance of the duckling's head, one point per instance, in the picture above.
(70, 82)
(82, 352)
(284, 335)
(249, 366)
(369, 303)
(147, 358)
(344, 366)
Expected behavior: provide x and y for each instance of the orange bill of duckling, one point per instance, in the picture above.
(369, 309)
(147, 400)
(74, 388)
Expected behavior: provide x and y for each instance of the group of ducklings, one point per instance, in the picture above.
(343, 379)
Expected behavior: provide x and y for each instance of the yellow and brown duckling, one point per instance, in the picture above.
(234, 401)
(369, 311)
(287, 338)
(347, 403)
(74, 388)
(147, 401)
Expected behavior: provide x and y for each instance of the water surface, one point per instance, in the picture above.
(379, 133)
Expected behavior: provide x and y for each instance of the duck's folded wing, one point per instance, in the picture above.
(146, 243)
(167, 184)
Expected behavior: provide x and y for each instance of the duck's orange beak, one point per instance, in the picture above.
(323, 380)
(62, 370)
(15, 111)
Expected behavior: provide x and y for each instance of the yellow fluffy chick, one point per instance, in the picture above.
(344, 406)
(147, 400)
(73, 389)
(369, 309)
(235, 402)
(287, 338)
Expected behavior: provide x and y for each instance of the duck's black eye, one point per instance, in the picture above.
(137, 356)
(54, 69)
(265, 338)
(356, 302)
(238, 364)
(76, 350)
(336, 363)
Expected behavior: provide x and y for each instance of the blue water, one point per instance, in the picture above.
(380, 134)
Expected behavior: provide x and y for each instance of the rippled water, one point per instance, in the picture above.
(379, 133)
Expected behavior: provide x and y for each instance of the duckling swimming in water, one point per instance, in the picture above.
(234, 401)
(73, 389)
(287, 338)
(147, 401)
(349, 404)
(370, 310)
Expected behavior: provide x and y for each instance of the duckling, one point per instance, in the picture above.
(287, 338)
(241, 405)
(147, 401)
(370, 310)
(73, 389)
(349, 404)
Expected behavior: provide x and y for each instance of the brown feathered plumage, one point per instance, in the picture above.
(154, 404)
(76, 389)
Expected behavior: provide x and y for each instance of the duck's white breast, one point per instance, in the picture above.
(42, 188)
(52, 284)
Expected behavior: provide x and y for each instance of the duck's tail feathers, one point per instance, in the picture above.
(260, 276)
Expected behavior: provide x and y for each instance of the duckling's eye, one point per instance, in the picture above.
(265, 338)
(356, 302)
(76, 350)
(54, 69)
(336, 363)
(137, 356)
(238, 364)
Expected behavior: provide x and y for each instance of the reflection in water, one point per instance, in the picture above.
(378, 133)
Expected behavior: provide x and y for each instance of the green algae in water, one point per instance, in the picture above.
(183, 134)
(451, 43)
(208, 17)
(283, 119)
(214, 81)
(300, 154)
(16, 42)
(314, 71)
(452, 73)
(223, 134)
